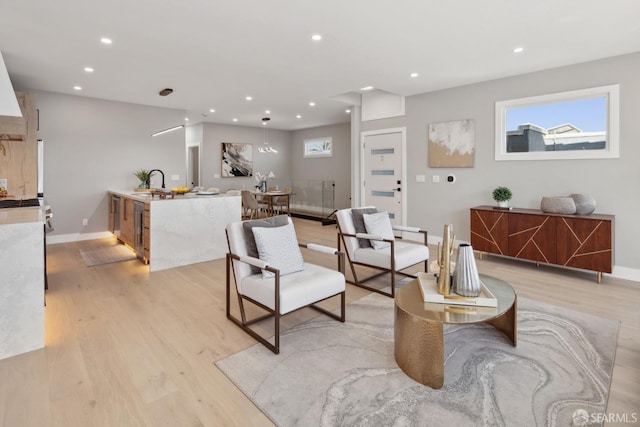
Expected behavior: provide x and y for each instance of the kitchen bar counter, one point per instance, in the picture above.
(188, 228)
(21, 280)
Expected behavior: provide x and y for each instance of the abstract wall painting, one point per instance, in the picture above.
(237, 160)
(452, 144)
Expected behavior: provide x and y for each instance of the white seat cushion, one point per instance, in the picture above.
(297, 290)
(407, 254)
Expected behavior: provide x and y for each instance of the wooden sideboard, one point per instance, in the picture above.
(578, 241)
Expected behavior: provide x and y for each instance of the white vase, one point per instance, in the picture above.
(466, 280)
(503, 204)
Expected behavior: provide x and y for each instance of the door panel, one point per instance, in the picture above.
(585, 243)
(489, 231)
(532, 237)
(382, 173)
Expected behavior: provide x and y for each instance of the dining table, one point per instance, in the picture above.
(268, 197)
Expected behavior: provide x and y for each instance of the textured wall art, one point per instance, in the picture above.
(237, 159)
(452, 144)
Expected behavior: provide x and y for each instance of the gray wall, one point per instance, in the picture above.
(613, 182)
(336, 168)
(91, 146)
(211, 151)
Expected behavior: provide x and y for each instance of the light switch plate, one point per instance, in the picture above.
(175, 177)
(420, 178)
(435, 178)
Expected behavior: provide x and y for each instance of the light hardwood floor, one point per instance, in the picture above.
(125, 347)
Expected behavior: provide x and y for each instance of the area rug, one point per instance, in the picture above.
(106, 255)
(344, 374)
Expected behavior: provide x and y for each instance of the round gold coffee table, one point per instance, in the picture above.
(419, 327)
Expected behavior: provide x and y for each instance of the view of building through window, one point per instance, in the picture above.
(559, 126)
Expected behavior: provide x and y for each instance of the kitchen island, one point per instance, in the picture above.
(183, 230)
(21, 280)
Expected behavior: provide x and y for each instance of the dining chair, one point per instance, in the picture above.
(280, 203)
(250, 205)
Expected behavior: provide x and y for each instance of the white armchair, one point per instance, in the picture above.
(270, 283)
(394, 256)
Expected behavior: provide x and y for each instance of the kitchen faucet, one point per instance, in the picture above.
(151, 173)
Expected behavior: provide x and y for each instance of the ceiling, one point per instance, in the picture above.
(214, 53)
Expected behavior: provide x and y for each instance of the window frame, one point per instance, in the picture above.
(611, 150)
(309, 143)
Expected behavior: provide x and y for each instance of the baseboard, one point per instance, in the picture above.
(325, 221)
(626, 273)
(77, 237)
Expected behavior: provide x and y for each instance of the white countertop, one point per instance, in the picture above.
(21, 215)
(146, 197)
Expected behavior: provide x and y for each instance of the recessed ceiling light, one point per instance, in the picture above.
(235, 120)
(298, 116)
(267, 111)
(77, 87)
(211, 110)
(366, 88)
(518, 50)
(88, 69)
(264, 123)
(347, 111)
(312, 104)
(106, 40)
(248, 98)
(186, 119)
(316, 37)
(414, 75)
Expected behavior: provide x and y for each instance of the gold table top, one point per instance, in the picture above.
(409, 298)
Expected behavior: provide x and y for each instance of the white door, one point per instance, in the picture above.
(383, 173)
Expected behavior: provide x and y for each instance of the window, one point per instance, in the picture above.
(318, 147)
(581, 124)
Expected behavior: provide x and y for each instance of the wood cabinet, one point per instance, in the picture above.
(112, 213)
(21, 128)
(579, 241)
(491, 231)
(532, 237)
(127, 221)
(146, 233)
(19, 149)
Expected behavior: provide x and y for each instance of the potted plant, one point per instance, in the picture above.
(144, 176)
(502, 195)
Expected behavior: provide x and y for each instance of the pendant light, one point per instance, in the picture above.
(266, 148)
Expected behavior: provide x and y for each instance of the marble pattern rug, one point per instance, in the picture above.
(344, 374)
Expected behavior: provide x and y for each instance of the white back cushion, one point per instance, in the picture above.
(279, 247)
(379, 224)
(237, 246)
(345, 222)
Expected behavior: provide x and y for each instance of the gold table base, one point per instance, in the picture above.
(419, 342)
